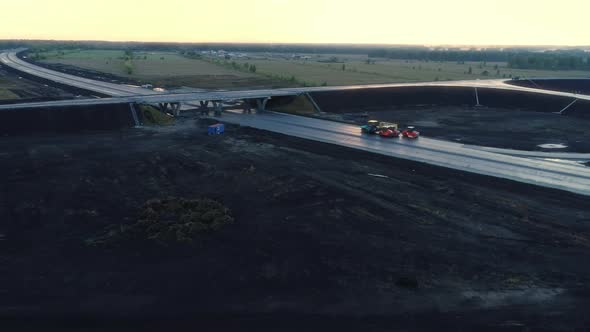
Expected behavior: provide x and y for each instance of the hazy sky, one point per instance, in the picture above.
(504, 22)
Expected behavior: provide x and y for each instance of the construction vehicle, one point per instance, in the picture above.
(375, 127)
(372, 127)
(389, 130)
(389, 133)
(410, 132)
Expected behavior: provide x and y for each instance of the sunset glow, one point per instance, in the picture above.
(501, 22)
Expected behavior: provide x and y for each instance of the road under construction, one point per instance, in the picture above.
(522, 166)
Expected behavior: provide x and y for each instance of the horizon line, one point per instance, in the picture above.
(294, 43)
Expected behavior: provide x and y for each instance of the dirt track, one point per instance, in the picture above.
(317, 243)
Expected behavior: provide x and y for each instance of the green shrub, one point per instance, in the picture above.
(153, 116)
(169, 221)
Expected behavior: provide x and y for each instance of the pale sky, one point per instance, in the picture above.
(465, 22)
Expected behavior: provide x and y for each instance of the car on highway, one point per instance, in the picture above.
(410, 132)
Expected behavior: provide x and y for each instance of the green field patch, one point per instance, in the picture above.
(171, 69)
(167, 222)
(153, 116)
(146, 65)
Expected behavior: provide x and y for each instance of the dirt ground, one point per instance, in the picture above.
(22, 89)
(495, 127)
(324, 237)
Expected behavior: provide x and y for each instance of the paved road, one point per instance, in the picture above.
(570, 177)
(129, 94)
(116, 90)
(565, 176)
(573, 156)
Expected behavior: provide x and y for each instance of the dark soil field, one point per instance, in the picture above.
(15, 88)
(322, 238)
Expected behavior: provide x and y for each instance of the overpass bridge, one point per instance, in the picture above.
(117, 93)
(535, 168)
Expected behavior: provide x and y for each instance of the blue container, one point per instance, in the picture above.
(216, 129)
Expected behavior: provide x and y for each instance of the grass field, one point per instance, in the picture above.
(148, 64)
(159, 68)
(357, 71)
(171, 69)
(153, 116)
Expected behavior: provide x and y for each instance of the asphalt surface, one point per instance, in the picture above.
(11, 59)
(569, 156)
(565, 176)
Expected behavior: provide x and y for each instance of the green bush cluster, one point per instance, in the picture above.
(171, 220)
(180, 220)
(153, 116)
(290, 79)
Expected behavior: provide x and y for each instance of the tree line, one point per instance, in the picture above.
(550, 60)
(518, 58)
(425, 54)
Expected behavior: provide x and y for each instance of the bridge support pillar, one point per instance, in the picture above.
(315, 105)
(567, 107)
(163, 107)
(204, 107)
(261, 104)
(133, 109)
(171, 108)
(218, 107)
(477, 104)
(175, 107)
(247, 107)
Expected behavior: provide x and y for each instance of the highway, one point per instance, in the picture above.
(509, 164)
(11, 59)
(131, 94)
(565, 176)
